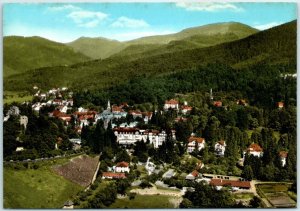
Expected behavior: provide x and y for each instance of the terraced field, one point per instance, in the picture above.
(79, 170)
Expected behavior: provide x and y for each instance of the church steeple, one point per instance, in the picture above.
(108, 105)
(211, 95)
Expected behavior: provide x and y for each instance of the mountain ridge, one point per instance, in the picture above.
(276, 46)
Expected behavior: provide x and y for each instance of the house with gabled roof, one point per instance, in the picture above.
(186, 109)
(220, 147)
(193, 175)
(255, 150)
(193, 142)
(220, 183)
(122, 167)
(171, 104)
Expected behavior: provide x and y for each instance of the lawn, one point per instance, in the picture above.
(275, 133)
(40, 188)
(144, 201)
(19, 97)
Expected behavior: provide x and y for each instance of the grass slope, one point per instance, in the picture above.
(96, 48)
(24, 53)
(274, 46)
(39, 188)
(144, 202)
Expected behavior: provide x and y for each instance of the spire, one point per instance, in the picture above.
(108, 105)
(211, 95)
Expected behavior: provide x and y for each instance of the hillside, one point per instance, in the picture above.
(274, 46)
(96, 47)
(202, 36)
(25, 53)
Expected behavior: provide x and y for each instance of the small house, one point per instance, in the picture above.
(171, 104)
(283, 155)
(193, 142)
(122, 167)
(255, 150)
(220, 147)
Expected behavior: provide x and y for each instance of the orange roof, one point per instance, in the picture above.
(172, 102)
(195, 173)
(218, 103)
(196, 139)
(122, 164)
(255, 148)
(115, 108)
(184, 107)
(283, 154)
(280, 104)
(114, 175)
(232, 183)
(221, 142)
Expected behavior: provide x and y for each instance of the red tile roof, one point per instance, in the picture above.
(254, 148)
(122, 164)
(114, 175)
(218, 103)
(184, 107)
(115, 108)
(232, 183)
(283, 154)
(221, 142)
(171, 102)
(195, 173)
(196, 139)
(280, 104)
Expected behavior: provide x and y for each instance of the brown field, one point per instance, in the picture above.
(276, 194)
(79, 170)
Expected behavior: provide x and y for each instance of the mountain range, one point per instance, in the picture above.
(92, 63)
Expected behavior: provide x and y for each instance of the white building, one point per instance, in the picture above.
(283, 155)
(128, 136)
(193, 142)
(255, 150)
(173, 104)
(220, 147)
(122, 167)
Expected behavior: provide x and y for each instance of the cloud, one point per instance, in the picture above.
(208, 6)
(83, 18)
(267, 25)
(125, 22)
(63, 8)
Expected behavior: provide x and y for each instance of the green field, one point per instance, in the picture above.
(19, 97)
(143, 201)
(36, 188)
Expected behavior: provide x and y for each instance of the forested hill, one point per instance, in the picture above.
(202, 36)
(24, 53)
(276, 46)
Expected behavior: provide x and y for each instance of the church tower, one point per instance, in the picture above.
(108, 106)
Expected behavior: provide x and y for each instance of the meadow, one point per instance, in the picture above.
(36, 185)
(144, 201)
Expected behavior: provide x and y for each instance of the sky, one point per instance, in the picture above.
(65, 22)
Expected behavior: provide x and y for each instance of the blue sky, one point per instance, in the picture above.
(65, 22)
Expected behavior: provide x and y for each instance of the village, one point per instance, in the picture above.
(128, 134)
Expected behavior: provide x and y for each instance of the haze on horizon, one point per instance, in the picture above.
(66, 22)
